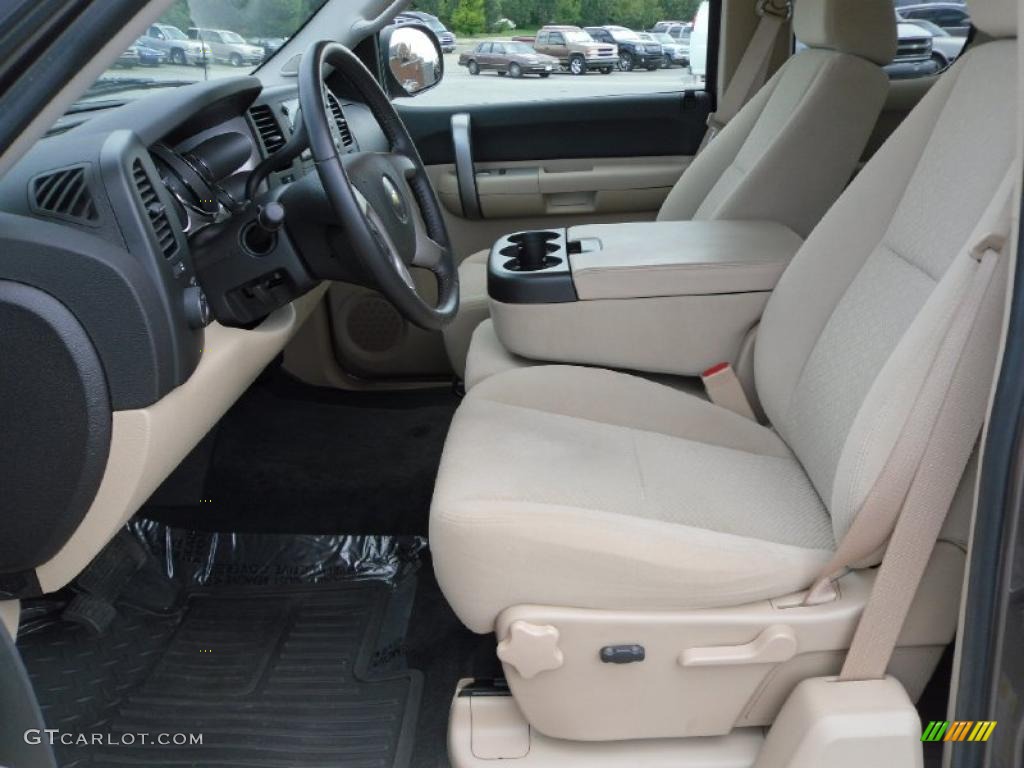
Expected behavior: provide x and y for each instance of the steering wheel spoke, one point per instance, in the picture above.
(384, 200)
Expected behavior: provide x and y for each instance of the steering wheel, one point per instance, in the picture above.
(385, 200)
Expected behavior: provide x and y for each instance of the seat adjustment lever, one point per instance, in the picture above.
(775, 644)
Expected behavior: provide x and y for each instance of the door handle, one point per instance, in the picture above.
(465, 169)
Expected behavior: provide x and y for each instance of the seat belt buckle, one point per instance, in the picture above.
(715, 127)
(724, 389)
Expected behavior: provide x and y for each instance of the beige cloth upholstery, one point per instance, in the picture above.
(996, 18)
(859, 27)
(473, 309)
(556, 478)
(581, 487)
(489, 357)
(790, 151)
(785, 157)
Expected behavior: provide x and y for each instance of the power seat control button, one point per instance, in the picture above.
(622, 654)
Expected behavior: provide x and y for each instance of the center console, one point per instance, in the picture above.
(661, 297)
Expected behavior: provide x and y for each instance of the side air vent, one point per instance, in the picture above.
(340, 121)
(65, 194)
(155, 210)
(269, 129)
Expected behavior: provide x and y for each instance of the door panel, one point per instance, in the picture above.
(554, 193)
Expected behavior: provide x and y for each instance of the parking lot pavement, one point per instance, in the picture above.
(459, 87)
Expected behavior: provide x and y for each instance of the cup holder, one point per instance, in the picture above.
(531, 251)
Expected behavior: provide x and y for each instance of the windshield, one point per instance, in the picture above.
(165, 57)
(577, 36)
(935, 29)
(436, 25)
(518, 48)
(663, 37)
(624, 35)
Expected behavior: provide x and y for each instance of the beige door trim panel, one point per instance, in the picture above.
(148, 443)
(565, 187)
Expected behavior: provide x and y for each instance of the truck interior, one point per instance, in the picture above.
(357, 413)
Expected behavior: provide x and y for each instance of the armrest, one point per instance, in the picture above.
(684, 258)
(662, 297)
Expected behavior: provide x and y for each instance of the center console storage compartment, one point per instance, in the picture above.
(662, 297)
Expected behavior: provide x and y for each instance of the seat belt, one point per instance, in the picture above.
(752, 70)
(917, 486)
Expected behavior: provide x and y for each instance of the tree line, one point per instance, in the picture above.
(475, 16)
(280, 18)
(249, 18)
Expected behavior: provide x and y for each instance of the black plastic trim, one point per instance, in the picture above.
(643, 125)
(55, 411)
(551, 285)
(110, 293)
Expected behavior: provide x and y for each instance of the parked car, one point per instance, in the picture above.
(228, 47)
(431, 22)
(576, 50)
(677, 30)
(952, 17)
(149, 57)
(913, 53)
(508, 58)
(174, 44)
(633, 50)
(270, 45)
(129, 58)
(675, 50)
(946, 47)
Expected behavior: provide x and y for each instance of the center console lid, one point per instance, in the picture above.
(663, 297)
(679, 258)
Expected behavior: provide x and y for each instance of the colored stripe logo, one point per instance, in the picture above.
(958, 730)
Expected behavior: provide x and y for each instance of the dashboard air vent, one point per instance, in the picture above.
(268, 127)
(340, 121)
(65, 194)
(155, 210)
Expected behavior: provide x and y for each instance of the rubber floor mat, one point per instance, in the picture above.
(284, 677)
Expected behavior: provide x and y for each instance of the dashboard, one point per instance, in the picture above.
(144, 292)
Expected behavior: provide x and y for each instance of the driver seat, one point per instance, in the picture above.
(598, 502)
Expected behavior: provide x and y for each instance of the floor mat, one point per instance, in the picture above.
(292, 458)
(271, 676)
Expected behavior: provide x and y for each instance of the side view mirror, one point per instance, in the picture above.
(413, 62)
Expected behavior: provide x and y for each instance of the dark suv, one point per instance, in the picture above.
(633, 51)
(952, 17)
(444, 36)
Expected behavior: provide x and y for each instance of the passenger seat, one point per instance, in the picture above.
(785, 157)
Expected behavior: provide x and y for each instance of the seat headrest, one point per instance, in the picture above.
(865, 28)
(996, 18)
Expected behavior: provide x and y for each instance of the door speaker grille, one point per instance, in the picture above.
(374, 325)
